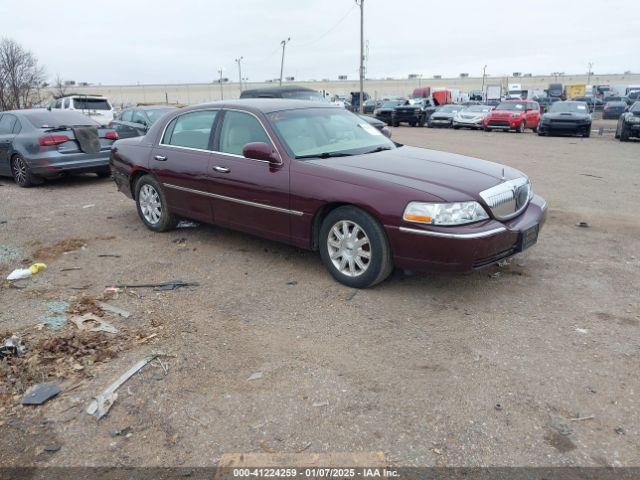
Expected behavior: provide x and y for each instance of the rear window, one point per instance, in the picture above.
(91, 104)
(57, 118)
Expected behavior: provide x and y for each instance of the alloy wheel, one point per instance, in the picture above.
(20, 172)
(150, 204)
(349, 248)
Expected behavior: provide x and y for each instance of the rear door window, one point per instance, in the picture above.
(126, 115)
(7, 123)
(238, 129)
(191, 130)
(91, 104)
(139, 117)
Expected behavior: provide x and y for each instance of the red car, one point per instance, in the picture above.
(513, 115)
(318, 177)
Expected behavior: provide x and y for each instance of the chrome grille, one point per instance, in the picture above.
(508, 199)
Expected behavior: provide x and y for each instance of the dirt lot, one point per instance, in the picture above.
(534, 363)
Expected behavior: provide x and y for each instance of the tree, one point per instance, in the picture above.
(20, 76)
(59, 87)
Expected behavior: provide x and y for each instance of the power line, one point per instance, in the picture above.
(342, 19)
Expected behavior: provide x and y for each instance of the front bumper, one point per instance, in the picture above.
(406, 117)
(464, 248)
(563, 127)
(440, 122)
(505, 123)
(69, 163)
(467, 123)
(384, 116)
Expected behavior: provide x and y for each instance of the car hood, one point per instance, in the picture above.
(503, 113)
(566, 116)
(447, 176)
(443, 114)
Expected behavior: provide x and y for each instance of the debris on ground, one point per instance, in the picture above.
(115, 310)
(39, 394)
(351, 294)
(292, 282)
(187, 224)
(12, 346)
(120, 432)
(495, 275)
(255, 376)
(52, 448)
(580, 419)
(101, 404)
(55, 317)
(93, 323)
(22, 273)
(90, 205)
(582, 225)
(109, 255)
(160, 287)
(582, 330)
(619, 430)
(498, 407)
(54, 251)
(320, 404)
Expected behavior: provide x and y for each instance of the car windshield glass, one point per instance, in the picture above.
(156, 113)
(478, 108)
(57, 118)
(510, 106)
(450, 108)
(304, 95)
(325, 131)
(568, 107)
(635, 108)
(91, 104)
(393, 103)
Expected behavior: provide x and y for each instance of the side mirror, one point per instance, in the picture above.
(386, 132)
(260, 151)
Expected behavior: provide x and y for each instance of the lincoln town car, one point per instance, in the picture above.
(318, 177)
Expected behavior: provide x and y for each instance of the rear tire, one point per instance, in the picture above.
(152, 205)
(587, 133)
(22, 174)
(358, 261)
(624, 133)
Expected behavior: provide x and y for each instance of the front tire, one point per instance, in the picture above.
(354, 248)
(152, 205)
(521, 128)
(624, 133)
(22, 174)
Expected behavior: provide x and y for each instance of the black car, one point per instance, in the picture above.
(39, 143)
(629, 123)
(568, 118)
(443, 116)
(594, 103)
(134, 122)
(370, 105)
(617, 98)
(385, 111)
(413, 114)
(613, 110)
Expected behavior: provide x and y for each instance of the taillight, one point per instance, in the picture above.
(111, 135)
(52, 140)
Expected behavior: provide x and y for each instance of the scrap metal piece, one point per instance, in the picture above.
(115, 310)
(12, 346)
(164, 286)
(101, 404)
(81, 321)
(40, 393)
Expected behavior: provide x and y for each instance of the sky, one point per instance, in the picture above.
(188, 41)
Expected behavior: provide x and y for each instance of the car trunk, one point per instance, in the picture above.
(78, 139)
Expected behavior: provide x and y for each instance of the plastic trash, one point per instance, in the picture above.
(20, 273)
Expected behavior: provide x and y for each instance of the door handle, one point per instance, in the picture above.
(160, 158)
(220, 169)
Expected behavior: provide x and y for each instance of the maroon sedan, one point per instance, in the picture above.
(319, 177)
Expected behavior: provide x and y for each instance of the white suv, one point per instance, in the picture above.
(95, 106)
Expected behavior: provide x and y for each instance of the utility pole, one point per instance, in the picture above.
(360, 3)
(590, 65)
(220, 81)
(484, 74)
(239, 61)
(284, 44)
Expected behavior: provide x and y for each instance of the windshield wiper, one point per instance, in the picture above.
(325, 155)
(378, 149)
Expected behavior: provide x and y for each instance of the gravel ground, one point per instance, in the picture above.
(531, 364)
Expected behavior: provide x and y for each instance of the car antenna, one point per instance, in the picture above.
(503, 177)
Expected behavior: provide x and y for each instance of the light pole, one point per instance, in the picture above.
(484, 74)
(284, 44)
(360, 3)
(220, 81)
(239, 61)
(590, 65)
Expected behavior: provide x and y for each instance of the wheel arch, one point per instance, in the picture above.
(133, 179)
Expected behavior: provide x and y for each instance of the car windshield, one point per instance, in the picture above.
(510, 106)
(91, 104)
(568, 107)
(57, 118)
(304, 95)
(478, 108)
(318, 132)
(156, 113)
(393, 103)
(450, 108)
(635, 108)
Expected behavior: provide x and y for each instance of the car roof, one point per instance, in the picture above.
(264, 105)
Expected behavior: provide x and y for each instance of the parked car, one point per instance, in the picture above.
(134, 122)
(546, 102)
(385, 111)
(614, 98)
(310, 175)
(594, 103)
(41, 143)
(414, 112)
(513, 115)
(94, 106)
(374, 122)
(629, 123)
(613, 110)
(370, 105)
(471, 116)
(568, 117)
(443, 115)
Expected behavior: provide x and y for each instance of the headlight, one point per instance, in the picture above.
(457, 213)
(633, 119)
(376, 111)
